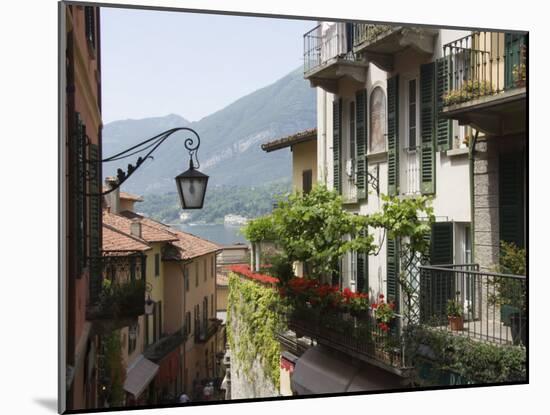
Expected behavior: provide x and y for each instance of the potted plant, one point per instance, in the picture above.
(455, 315)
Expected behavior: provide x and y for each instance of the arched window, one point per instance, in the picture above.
(377, 138)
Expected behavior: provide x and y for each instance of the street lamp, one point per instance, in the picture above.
(191, 184)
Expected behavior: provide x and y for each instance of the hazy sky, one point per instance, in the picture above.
(156, 63)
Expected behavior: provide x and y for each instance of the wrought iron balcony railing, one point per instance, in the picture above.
(479, 305)
(360, 337)
(165, 345)
(323, 44)
(366, 33)
(204, 330)
(484, 64)
(117, 286)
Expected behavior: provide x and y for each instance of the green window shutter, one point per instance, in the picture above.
(362, 276)
(443, 125)
(337, 144)
(427, 105)
(95, 216)
(441, 286)
(361, 143)
(392, 271)
(393, 135)
(442, 243)
(511, 198)
(512, 57)
(79, 199)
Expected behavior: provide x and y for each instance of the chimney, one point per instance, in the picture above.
(113, 198)
(135, 228)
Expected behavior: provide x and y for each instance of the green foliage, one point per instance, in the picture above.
(254, 315)
(408, 219)
(219, 201)
(454, 309)
(476, 361)
(124, 298)
(259, 229)
(312, 228)
(511, 291)
(114, 368)
(281, 267)
(469, 90)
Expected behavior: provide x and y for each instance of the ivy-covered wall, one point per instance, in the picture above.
(254, 317)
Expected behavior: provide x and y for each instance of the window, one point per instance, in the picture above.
(377, 141)
(188, 322)
(204, 268)
(157, 265)
(186, 278)
(352, 130)
(133, 332)
(412, 115)
(196, 274)
(212, 305)
(89, 17)
(214, 266)
(307, 177)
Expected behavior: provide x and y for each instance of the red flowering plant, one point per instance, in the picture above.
(384, 313)
(354, 303)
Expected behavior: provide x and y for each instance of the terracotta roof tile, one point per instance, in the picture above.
(115, 240)
(302, 136)
(148, 233)
(127, 196)
(186, 246)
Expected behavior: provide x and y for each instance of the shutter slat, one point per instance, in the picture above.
(337, 144)
(443, 125)
(392, 271)
(393, 136)
(427, 104)
(511, 196)
(361, 143)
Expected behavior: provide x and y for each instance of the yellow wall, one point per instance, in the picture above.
(221, 297)
(156, 283)
(304, 157)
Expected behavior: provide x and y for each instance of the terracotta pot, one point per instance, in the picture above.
(456, 323)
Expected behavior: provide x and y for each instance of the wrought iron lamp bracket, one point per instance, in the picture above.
(191, 144)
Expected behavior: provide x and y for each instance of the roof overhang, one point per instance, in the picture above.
(289, 141)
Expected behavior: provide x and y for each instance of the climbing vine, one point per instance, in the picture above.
(115, 369)
(254, 317)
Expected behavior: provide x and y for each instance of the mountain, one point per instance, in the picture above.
(230, 150)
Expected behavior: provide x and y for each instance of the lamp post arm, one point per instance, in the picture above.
(192, 145)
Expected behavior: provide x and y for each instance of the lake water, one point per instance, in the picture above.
(220, 234)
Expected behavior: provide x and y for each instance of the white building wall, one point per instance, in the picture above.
(452, 196)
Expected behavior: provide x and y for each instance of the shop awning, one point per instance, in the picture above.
(321, 370)
(139, 375)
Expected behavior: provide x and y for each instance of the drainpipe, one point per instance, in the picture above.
(471, 155)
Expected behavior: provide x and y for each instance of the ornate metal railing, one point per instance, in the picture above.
(166, 344)
(324, 43)
(360, 336)
(366, 33)
(479, 305)
(482, 64)
(206, 329)
(117, 286)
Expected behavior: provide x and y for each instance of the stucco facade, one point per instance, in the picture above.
(82, 108)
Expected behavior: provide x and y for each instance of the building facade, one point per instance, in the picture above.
(405, 112)
(82, 223)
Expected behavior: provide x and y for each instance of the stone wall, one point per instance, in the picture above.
(486, 232)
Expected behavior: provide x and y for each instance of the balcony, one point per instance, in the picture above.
(206, 329)
(486, 76)
(379, 43)
(165, 345)
(117, 290)
(488, 307)
(328, 58)
(359, 337)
